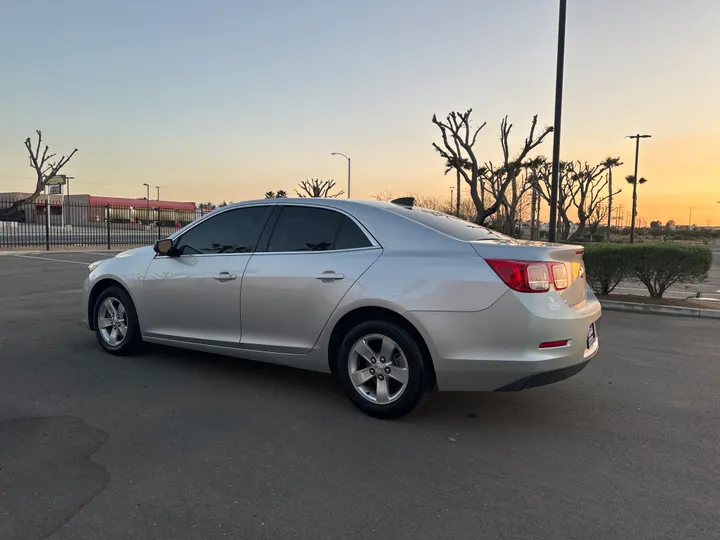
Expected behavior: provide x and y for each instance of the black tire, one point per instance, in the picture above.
(132, 340)
(419, 370)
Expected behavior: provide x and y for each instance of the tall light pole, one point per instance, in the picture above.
(452, 190)
(559, 71)
(690, 220)
(147, 200)
(348, 159)
(635, 181)
(158, 192)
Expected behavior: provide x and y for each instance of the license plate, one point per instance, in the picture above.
(592, 336)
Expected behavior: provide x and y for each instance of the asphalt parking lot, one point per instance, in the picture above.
(183, 445)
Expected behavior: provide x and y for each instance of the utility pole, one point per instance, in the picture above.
(690, 220)
(559, 71)
(635, 181)
(348, 160)
(147, 200)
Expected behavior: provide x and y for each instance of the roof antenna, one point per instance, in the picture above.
(404, 201)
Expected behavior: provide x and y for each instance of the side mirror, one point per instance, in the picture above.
(164, 247)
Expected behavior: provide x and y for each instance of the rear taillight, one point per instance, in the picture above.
(559, 275)
(530, 276)
(522, 276)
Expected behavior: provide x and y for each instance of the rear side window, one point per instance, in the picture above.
(350, 236)
(233, 231)
(447, 224)
(301, 228)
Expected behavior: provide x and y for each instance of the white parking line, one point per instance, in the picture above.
(49, 259)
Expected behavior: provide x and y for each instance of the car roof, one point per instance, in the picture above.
(318, 201)
(392, 225)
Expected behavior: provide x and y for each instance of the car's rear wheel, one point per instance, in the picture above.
(116, 322)
(382, 369)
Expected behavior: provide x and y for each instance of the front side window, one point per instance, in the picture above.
(233, 231)
(302, 228)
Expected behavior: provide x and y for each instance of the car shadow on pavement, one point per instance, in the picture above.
(512, 409)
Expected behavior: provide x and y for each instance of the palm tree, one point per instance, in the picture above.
(449, 166)
(630, 178)
(609, 163)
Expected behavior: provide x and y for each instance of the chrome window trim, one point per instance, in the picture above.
(277, 202)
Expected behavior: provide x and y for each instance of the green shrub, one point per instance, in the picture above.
(659, 266)
(606, 265)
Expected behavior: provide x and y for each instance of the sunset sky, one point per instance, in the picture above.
(224, 100)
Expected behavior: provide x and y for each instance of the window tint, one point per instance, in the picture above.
(350, 236)
(300, 228)
(234, 231)
(447, 224)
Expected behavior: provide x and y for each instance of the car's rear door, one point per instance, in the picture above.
(293, 284)
(195, 296)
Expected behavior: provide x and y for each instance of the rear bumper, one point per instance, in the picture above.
(542, 379)
(498, 348)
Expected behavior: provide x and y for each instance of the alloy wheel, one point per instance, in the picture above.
(378, 369)
(112, 321)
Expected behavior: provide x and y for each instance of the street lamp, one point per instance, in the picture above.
(158, 192)
(690, 220)
(452, 190)
(555, 182)
(147, 200)
(635, 183)
(348, 159)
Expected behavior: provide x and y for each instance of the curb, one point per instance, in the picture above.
(614, 305)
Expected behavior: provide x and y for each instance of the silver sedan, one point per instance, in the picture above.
(392, 299)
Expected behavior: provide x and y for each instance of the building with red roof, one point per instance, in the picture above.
(85, 209)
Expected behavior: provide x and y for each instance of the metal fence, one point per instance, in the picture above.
(70, 223)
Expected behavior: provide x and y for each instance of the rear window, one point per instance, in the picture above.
(447, 224)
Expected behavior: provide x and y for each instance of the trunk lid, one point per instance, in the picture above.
(568, 255)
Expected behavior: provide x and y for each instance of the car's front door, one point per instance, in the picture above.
(195, 295)
(293, 284)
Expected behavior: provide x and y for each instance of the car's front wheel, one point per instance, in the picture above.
(382, 369)
(116, 322)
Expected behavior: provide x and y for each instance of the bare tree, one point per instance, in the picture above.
(384, 195)
(317, 188)
(512, 168)
(566, 192)
(589, 193)
(45, 168)
(536, 168)
(458, 141)
(595, 219)
(510, 195)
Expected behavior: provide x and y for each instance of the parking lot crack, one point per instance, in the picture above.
(47, 475)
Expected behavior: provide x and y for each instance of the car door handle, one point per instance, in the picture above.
(225, 276)
(329, 275)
